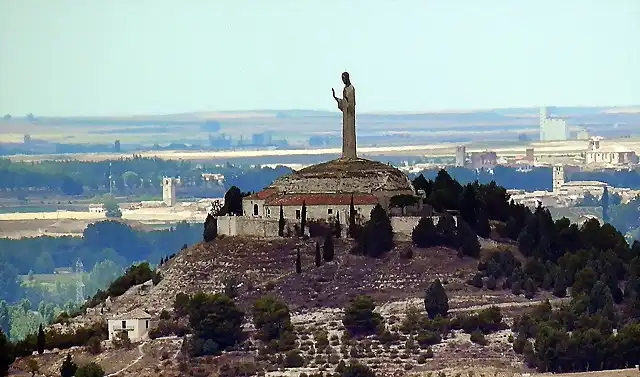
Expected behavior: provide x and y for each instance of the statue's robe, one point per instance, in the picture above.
(347, 104)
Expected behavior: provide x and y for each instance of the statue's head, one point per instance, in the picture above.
(345, 78)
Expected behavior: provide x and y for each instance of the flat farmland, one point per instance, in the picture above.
(559, 148)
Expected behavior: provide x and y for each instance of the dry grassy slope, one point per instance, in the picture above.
(258, 264)
(152, 359)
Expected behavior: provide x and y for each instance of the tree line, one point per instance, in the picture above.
(128, 175)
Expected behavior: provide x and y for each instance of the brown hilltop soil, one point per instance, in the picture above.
(390, 278)
(262, 266)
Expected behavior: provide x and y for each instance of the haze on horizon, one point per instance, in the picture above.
(94, 58)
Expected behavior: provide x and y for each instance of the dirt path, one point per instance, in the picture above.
(509, 305)
(134, 362)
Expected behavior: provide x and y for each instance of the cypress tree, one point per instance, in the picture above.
(303, 218)
(318, 255)
(281, 223)
(328, 250)
(337, 227)
(352, 218)
(436, 301)
(298, 263)
(68, 368)
(605, 205)
(41, 340)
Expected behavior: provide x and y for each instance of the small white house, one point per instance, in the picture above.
(96, 208)
(136, 323)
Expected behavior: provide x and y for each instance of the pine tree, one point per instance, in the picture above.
(303, 218)
(482, 226)
(161, 261)
(467, 239)
(328, 249)
(281, 223)
(298, 263)
(424, 234)
(318, 255)
(560, 287)
(6, 354)
(436, 301)
(210, 228)
(377, 235)
(41, 340)
(68, 368)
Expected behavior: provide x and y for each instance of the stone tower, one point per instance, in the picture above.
(558, 177)
(169, 191)
(461, 155)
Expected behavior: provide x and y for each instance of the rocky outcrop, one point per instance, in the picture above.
(346, 175)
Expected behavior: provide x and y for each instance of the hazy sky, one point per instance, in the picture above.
(117, 57)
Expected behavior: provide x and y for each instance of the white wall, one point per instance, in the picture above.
(553, 129)
(247, 226)
(321, 212)
(137, 329)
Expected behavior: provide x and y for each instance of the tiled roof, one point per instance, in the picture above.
(321, 199)
(135, 314)
(262, 195)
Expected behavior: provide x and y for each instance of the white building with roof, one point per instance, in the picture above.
(135, 323)
(552, 128)
(611, 154)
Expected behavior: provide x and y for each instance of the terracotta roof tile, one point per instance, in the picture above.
(321, 199)
(262, 195)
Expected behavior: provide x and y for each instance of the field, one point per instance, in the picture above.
(72, 223)
(542, 149)
(297, 126)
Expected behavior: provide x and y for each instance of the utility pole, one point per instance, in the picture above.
(110, 182)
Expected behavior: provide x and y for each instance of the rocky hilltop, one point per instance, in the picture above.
(268, 266)
(316, 298)
(354, 310)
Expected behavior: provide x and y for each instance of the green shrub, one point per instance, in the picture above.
(135, 275)
(478, 337)
(359, 317)
(293, 359)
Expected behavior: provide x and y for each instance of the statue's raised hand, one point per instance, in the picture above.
(333, 91)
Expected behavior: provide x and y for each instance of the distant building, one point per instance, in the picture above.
(529, 156)
(582, 134)
(559, 178)
(461, 155)
(484, 160)
(552, 128)
(63, 270)
(136, 324)
(169, 191)
(598, 154)
(96, 208)
(213, 178)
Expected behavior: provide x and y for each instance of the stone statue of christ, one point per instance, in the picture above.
(347, 104)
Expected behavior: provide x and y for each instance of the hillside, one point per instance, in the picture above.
(262, 266)
(316, 297)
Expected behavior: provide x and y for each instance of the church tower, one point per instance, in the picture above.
(559, 177)
(169, 191)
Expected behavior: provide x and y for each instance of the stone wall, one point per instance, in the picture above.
(268, 227)
(403, 226)
(247, 226)
(315, 212)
